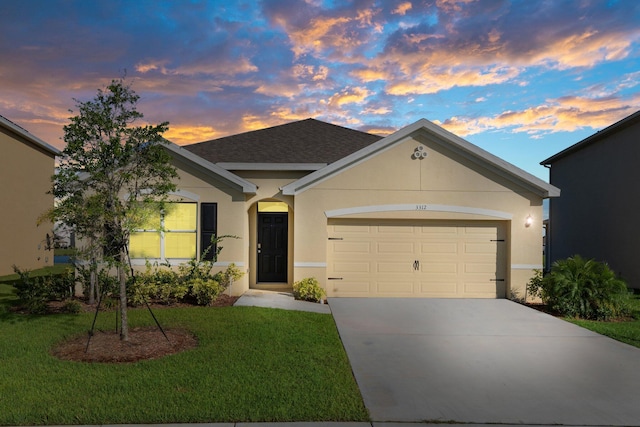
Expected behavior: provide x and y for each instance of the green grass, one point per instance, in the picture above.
(626, 331)
(252, 364)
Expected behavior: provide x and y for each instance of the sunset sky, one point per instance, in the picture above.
(521, 79)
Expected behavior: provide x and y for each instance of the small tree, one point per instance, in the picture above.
(109, 170)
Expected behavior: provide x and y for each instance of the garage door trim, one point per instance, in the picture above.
(418, 207)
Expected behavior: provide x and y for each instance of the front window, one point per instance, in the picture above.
(167, 234)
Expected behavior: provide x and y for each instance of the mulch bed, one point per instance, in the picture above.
(143, 344)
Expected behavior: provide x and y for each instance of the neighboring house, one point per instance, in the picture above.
(419, 213)
(594, 217)
(26, 167)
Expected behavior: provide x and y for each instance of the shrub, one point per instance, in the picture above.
(534, 286)
(308, 290)
(36, 291)
(205, 291)
(72, 306)
(228, 276)
(588, 289)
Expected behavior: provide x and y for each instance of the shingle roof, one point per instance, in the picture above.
(305, 141)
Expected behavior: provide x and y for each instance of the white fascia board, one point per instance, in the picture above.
(271, 166)
(223, 174)
(31, 138)
(446, 138)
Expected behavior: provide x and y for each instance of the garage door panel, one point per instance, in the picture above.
(427, 231)
(395, 288)
(439, 267)
(352, 247)
(352, 267)
(352, 288)
(418, 258)
(438, 288)
(480, 248)
(352, 229)
(394, 267)
(393, 248)
(439, 248)
(395, 230)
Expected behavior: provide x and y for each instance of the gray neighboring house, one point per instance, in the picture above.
(596, 215)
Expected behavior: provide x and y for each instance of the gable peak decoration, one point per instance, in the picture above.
(419, 153)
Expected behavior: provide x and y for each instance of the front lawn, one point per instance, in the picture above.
(252, 364)
(627, 331)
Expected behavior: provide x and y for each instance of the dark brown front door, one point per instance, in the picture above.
(272, 247)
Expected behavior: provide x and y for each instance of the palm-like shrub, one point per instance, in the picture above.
(588, 289)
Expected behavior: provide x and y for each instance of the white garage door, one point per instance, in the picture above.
(398, 258)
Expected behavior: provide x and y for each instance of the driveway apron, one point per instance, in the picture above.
(484, 361)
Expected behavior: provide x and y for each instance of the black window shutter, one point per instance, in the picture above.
(208, 228)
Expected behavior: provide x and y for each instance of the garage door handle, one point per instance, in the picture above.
(334, 278)
(416, 265)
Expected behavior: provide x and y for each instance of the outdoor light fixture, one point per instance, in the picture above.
(528, 221)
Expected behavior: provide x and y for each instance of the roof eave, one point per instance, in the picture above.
(230, 178)
(29, 137)
(604, 133)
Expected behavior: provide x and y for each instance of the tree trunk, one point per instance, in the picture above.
(92, 284)
(124, 324)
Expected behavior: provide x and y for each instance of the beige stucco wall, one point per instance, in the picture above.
(443, 178)
(25, 177)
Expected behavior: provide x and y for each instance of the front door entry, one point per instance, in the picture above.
(272, 247)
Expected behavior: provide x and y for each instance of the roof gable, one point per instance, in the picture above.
(33, 140)
(438, 135)
(307, 141)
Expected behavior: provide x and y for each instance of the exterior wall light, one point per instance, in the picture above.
(528, 221)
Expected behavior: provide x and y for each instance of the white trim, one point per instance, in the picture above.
(178, 261)
(188, 194)
(304, 264)
(228, 263)
(526, 266)
(417, 207)
(271, 166)
(180, 193)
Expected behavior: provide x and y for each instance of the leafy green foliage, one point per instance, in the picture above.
(588, 289)
(35, 291)
(308, 290)
(194, 281)
(534, 286)
(205, 291)
(72, 306)
(105, 159)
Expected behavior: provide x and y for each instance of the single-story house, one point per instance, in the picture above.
(593, 216)
(419, 213)
(25, 173)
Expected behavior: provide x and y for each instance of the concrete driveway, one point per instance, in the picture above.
(484, 361)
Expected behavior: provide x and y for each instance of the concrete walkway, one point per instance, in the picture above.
(283, 300)
(484, 361)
